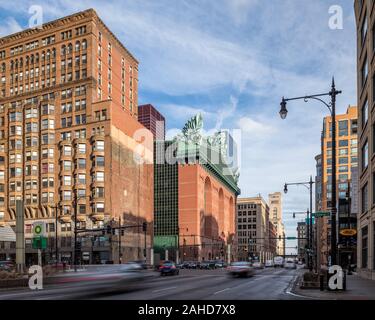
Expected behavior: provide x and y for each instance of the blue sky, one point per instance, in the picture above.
(233, 60)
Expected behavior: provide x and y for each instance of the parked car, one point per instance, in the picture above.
(269, 263)
(204, 265)
(289, 264)
(7, 265)
(211, 264)
(193, 265)
(168, 267)
(179, 265)
(185, 265)
(240, 269)
(258, 265)
(220, 264)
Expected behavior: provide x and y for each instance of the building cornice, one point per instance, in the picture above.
(89, 14)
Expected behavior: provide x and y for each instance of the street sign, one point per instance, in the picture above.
(320, 214)
(39, 229)
(348, 232)
(308, 221)
(39, 243)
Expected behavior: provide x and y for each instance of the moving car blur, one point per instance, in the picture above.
(168, 267)
(240, 269)
(7, 265)
(101, 278)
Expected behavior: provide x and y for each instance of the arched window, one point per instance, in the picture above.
(48, 55)
(21, 63)
(37, 58)
(70, 48)
(27, 61)
(63, 50)
(32, 59)
(53, 53)
(84, 44)
(78, 45)
(11, 65)
(3, 67)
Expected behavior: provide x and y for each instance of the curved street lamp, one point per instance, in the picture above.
(332, 108)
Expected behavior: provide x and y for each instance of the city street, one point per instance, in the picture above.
(189, 285)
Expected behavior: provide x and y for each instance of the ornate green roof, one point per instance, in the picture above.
(210, 152)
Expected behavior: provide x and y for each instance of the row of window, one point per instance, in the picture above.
(246, 206)
(44, 42)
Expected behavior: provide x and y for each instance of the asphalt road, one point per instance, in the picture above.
(273, 284)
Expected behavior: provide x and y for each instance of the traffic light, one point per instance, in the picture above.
(79, 246)
(109, 229)
(294, 215)
(122, 232)
(144, 226)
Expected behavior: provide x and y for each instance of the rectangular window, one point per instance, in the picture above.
(364, 30)
(365, 156)
(99, 146)
(343, 128)
(364, 198)
(364, 242)
(364, 72)
(343, 143)
(82, 148)
(365, 113)
(99, 176)
(81, 179)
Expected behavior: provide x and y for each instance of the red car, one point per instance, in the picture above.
(168, 267)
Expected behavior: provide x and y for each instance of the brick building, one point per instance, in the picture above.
(68, 136)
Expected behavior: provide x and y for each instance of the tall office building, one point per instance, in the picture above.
(253, 229)
(365, 21)
(347, 158)
(276, 216)
(68, 118)
(153, 120)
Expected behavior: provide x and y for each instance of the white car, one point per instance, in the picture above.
(268, 264)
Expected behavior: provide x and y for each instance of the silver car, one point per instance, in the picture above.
(240, 269)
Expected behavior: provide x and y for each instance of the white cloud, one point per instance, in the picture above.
(9, 26)
(254, 128)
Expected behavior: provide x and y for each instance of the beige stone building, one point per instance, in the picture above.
(276, 216)
(68, 137)
(253, 229)
(365, 20)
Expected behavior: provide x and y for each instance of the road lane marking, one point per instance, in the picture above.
(163, 289)
(222, 290)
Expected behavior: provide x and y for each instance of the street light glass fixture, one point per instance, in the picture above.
(283, 111)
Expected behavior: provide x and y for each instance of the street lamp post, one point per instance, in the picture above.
(332, 108)
(308, 185)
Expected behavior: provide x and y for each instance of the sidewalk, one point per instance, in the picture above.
(356, 289)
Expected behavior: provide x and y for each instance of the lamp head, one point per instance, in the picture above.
(283, 110)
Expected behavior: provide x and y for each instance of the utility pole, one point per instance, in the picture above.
(119, 241)
(56, 237)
